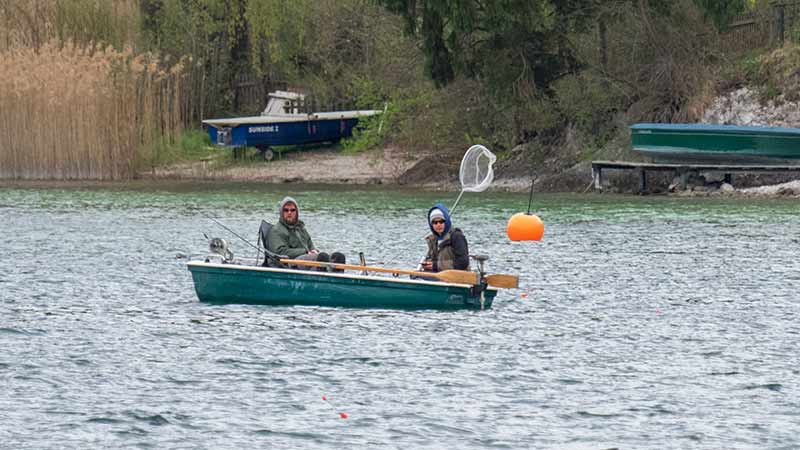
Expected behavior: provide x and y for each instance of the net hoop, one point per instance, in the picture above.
(476, 173)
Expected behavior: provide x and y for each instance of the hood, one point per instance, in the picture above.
(286, 200)
(446, 212)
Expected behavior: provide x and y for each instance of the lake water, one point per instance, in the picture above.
(641, 323)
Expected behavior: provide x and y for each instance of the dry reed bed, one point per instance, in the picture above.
(70, 112)
(33, 23)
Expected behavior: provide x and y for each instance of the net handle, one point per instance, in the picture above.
(453, 208)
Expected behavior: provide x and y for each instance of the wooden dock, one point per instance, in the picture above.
(683, 170)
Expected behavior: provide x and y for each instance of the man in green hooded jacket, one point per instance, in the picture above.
(289, 237)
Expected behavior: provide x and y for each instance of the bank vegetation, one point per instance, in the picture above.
(106, 89)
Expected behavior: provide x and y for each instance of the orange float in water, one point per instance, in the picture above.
(525, 227)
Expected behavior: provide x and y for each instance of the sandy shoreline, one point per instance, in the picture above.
(388, 167)
(318, 167)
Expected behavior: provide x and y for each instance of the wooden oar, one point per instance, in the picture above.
(449, 276)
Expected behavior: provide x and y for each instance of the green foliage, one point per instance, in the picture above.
(371, 132)
(750, 67)
(516, 46)
(721, 12)
(179, 27)
(448, 119)
(238, 157)
(213, 34)
(87, 21)
(500, 72)
(589, 102)
(665, 73)
(741, 70)
(28, 23)
(340, 52)
(778, 74)
(194, 145)
(278, 32)
(419, 121)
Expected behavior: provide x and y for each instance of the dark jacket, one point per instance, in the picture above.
(450, 250)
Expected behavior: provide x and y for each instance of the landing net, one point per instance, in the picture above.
(476, 172)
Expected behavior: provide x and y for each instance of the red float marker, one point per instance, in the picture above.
(342, 414)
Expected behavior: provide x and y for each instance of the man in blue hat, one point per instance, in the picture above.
(447, 246)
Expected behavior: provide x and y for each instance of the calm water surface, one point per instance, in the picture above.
(641, 323)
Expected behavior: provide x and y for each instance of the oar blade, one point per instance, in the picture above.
(456, 276)
(502, 280)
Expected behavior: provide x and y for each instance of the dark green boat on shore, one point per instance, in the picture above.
(676, 143)
(234, 283)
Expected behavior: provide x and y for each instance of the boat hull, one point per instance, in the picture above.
(270, 133)
(676, 143)
(230, 283)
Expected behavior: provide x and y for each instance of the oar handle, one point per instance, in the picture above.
(448, 276)
(302, 262)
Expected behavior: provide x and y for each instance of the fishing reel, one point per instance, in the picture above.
(221, 247)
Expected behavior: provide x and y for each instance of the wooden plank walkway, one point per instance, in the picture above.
(682, 170)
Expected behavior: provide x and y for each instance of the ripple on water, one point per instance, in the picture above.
(647, 323)
(777, 387)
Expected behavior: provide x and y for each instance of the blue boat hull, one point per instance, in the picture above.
(282, 133)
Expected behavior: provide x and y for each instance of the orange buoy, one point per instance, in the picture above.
(525, 227)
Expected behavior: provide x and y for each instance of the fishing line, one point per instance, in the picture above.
(530, 197)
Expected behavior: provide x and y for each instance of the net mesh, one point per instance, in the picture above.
(476, 169)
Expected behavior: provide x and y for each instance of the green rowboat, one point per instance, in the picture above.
(234, 283)
(679, 143)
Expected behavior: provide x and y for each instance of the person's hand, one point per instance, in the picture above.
(427, 265)
(313, 251)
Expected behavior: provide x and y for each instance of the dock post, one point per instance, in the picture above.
(684, 175)
(642, 180)
(728, 179)
(597, 175)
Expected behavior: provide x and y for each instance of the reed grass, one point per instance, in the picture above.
(84, 112)
(33, 23)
